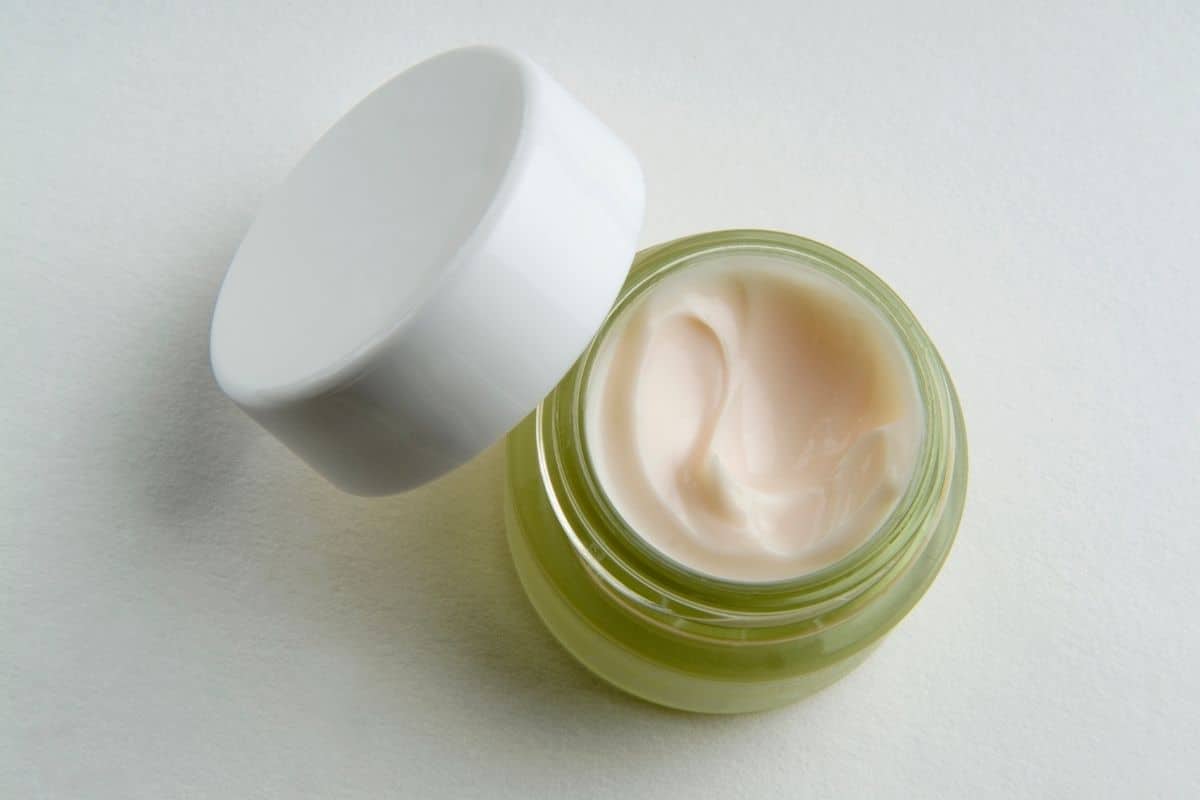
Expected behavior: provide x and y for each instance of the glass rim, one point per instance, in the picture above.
(630, 567)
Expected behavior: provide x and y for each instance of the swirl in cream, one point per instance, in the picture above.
(753, 419)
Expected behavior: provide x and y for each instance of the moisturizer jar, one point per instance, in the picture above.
(731, 468)
(694, 638)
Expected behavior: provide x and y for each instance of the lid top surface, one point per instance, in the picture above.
(367, 223)
(428, 271)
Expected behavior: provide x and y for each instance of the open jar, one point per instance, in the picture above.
(416, 290)
(689, 640)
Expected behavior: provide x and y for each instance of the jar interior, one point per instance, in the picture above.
(639, 576)
(751, 417)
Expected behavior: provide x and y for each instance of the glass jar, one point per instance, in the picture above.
(691, 641)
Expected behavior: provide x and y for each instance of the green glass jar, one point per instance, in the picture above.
(687, 640)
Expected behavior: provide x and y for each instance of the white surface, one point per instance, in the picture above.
(384, 384)
(187, 611)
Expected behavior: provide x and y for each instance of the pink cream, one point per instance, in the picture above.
(752, 420)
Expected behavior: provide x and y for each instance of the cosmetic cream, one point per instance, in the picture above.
(753, 420)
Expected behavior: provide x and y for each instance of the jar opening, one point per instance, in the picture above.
(638, 573)
(749, 417)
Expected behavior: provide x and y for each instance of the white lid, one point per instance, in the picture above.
(429, 270)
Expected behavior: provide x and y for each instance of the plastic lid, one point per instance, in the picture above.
(428, 271)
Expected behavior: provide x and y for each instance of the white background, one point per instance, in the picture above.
(187, 611)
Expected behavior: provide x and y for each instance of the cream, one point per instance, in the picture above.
(752, 419)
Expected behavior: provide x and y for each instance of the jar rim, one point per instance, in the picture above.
(632, 569)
